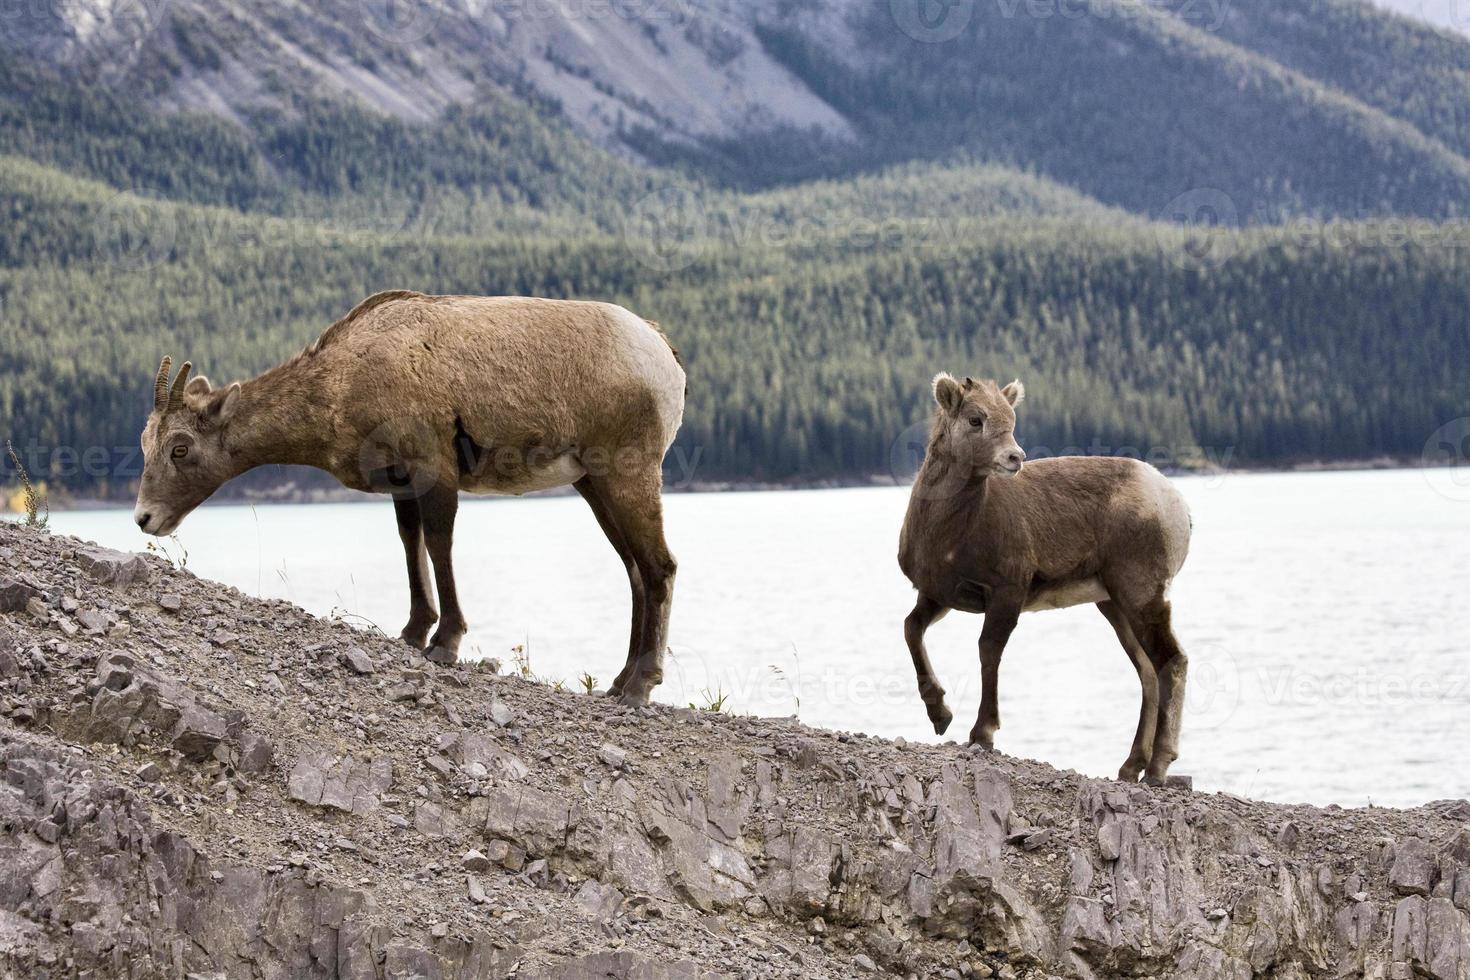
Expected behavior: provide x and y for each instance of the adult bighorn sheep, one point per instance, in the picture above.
(420, 397)
(985, 534)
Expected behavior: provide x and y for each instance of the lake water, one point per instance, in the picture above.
(1324, 614)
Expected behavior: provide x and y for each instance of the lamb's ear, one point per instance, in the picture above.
(1014, 393)
(947, 392)
(224, 403)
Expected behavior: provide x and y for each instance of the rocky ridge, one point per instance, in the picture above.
(194, 782)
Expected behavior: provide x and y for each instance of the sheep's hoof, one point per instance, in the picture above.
(633, 699)
(418, 640)
(941, 720)
(1129, 773)
(442, 656)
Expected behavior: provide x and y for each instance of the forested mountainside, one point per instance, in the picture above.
(824, 203)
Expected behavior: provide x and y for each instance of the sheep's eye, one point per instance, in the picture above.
(179, 452)
(978, 422)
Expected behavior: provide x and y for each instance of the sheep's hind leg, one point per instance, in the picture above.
(1143, 738)
(1156, 632)
(438, 508)
(635, 505)
(588, 489)
(421, 612)
(926, 613)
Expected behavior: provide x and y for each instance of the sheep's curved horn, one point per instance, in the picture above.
(160, 385)
(176, 394)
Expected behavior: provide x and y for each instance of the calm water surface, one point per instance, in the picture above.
(1325, 618)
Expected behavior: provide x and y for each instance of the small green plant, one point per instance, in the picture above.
(520, 656)
(713, 700)
(177, 556)
(588, 682)
(33, 501)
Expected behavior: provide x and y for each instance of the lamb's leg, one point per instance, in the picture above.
(926, 613)
(1143, 738)
(1000, 619)
(1172, 666)
(634, 503)
(438, 508)
(421, 611)
(588, 489)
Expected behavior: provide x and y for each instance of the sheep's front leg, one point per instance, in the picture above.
(926, 613)
(438, 508)
(1000, 619)
(421, 611)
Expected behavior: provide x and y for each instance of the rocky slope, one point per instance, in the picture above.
(197, 783)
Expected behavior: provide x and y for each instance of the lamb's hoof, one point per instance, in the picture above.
(442, 656)
(418, 642)
(941, 721)
(632, 699)
(1129, 774)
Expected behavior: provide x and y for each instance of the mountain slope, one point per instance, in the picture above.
(1328, 107)
(196, 782)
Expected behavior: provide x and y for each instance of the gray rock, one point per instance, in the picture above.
(474, 861)
(92, 620)
(613, 756)
(1413, 867)
(501, 713)
(358, 661)
(116, 568)
(15, 595)
(170, 602)
(322, 778)
(198, 732)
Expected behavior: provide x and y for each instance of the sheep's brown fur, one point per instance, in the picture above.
(421, 397)
(985, 534)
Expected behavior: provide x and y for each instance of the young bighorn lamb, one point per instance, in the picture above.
(420, 397)
(985, 534)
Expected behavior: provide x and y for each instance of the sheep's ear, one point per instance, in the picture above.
(1014, 393)
(947, 392)
(224, 403)
(197, 390)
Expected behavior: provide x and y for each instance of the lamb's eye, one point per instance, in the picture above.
(179, 452)
(978, 422)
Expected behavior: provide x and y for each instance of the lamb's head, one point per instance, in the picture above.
(976, 422)
(184, 454)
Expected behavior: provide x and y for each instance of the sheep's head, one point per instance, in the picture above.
(977, 422)
(184, 455)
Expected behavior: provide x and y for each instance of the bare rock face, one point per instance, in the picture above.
(171, 806)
